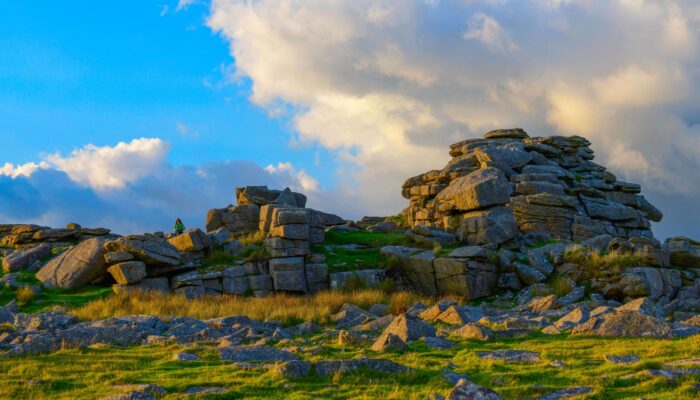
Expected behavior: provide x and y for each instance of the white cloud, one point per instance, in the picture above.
(301, 179)
(109, 167)
(388, 85)
(488, 31)
(183, 4)
(27, 169)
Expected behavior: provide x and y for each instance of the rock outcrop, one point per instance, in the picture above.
(510, 183)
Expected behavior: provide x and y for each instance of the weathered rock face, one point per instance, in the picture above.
(191, 241)
(511, 183)
(76, 267)
(25, 258)
(151, 249)
(684, 252)
(18, 235)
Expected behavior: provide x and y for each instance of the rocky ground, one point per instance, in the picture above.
(504, 348)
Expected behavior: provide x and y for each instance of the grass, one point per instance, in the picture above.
(603, 264)
(367, 257)
(94, 373)
(287, 309)
(251, 239)
(48, 298)
(560, 285)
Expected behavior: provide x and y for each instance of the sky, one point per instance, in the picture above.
(130, 114)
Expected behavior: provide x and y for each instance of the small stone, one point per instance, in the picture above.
(389, 342)
(624, 360)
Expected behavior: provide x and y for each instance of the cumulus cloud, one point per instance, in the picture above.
(13, 171)
(112, 167)
(141, 191)
(387, 85)
(302, 180)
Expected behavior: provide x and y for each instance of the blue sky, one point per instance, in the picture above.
(88, 72)
(128, 114)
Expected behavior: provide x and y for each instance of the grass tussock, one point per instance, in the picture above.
(25, 294)
(561, 285)
(251, 239)
(287, 309)
(598, 264)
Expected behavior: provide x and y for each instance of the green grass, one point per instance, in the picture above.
(94, 373)
(48, 298)
(339, 259)
(369, 257)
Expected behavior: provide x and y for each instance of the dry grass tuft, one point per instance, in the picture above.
(249, 239)
(25, 294)
(598, 264)
(287, 309)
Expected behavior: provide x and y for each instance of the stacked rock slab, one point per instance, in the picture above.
(26, 236)
(244, 218)
(288, 244)
(510, 183)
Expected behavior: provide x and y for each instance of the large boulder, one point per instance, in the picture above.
(191, 241)
(151, 249)
(625, 323)
(684, 252)
(471, 279)
(128, 272)
(288, 274)
(261, 195)
(545, 212)
(409, 329)
(240, 219)
(482, 188)
(81, 265)
(495, 225)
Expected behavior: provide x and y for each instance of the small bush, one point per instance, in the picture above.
(560, 285)
(25, 294)
(250, 239)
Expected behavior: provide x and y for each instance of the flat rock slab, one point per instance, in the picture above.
(566, 393)
(520, 356)
(200, 390)
(438, 343)
(664, 373)
(685, 362)
(625, 360)
(255, 354)
(325, 368)
(130, 396)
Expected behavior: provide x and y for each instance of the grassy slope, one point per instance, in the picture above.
(52, 297)
(92, 373)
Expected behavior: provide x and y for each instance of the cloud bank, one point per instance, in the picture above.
(388, 85)
(129, 187)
